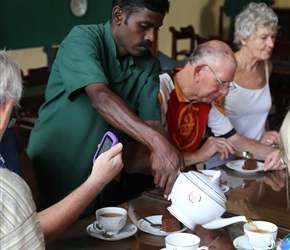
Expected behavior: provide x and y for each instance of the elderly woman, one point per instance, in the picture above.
(248, 105)
(21, 227)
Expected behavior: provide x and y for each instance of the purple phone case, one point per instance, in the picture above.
(113, 139)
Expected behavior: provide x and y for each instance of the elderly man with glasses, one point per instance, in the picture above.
(189, 107)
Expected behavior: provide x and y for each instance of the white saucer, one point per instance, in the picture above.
(145, 226)
(127, 231)
(163, 248)
(242, 243)
(237, 165)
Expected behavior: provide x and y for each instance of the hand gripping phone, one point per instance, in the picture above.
(108, 141)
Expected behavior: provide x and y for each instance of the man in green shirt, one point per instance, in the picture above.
(103, 78)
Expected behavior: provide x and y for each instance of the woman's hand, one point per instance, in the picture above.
(270, 138)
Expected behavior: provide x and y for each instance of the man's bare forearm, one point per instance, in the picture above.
(114, 110)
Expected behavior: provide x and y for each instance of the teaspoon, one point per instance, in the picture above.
(108, 234)
(144, 218)
(246, 154)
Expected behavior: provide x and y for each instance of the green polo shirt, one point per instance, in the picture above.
(67, 133)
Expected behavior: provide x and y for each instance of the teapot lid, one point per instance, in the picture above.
(208, 186)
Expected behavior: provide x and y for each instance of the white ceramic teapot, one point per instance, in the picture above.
(198, 200)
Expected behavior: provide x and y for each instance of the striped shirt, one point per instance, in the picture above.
(19, 223)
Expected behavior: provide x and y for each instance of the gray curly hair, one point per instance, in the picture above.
(10, 79)
(255, 15)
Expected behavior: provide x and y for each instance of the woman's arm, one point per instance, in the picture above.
(57, 218)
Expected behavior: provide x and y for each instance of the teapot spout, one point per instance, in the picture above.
(222, 222)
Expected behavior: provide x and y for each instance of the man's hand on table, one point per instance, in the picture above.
(214, 145)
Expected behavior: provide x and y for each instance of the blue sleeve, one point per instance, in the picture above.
(11, 147)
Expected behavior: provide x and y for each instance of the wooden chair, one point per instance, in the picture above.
(189, 34)
(36, 77)
(33, 95)
(184, 33)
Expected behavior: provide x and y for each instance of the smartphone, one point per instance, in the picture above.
(108, 141)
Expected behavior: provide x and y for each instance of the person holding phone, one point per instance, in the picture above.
(19, 219)
(103, 78)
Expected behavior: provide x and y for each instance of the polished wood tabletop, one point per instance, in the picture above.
(260, 196)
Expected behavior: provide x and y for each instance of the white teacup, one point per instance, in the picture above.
(110, 219)
(262, 239)
(183, 241)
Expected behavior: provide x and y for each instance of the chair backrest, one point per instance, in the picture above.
(33, 95)
(183, 33)
(38, 76)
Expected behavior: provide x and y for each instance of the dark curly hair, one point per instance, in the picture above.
(130, 6)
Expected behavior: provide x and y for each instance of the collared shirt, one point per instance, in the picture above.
(185, 121)
(68, 131)
(19, 223)
(2, 162)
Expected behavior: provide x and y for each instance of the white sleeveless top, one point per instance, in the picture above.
(248, 109)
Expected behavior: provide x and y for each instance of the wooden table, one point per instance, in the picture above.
(261, 196)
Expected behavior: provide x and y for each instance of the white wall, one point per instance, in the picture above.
(29, 58)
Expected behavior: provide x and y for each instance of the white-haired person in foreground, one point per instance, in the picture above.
(21, 226)
(284, 140)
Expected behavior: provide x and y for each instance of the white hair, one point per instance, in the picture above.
(253, 16)
(284, 138)
(10, 79)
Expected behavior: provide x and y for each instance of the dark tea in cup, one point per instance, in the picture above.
(110, 219)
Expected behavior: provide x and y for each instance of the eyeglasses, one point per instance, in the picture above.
(222, 85)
